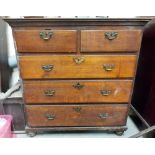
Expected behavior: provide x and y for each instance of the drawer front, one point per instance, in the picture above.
(75, 115)
(110, 40)
(82, 91)
(45, 40)
(70, 66)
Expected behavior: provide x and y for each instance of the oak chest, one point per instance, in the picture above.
(77, 74)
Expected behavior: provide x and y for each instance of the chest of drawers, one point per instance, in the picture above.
(77, 74)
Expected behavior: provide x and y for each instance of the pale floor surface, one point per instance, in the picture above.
(132, 129)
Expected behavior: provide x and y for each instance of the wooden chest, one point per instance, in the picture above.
(77, 74)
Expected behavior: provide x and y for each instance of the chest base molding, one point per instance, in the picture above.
(119, 130)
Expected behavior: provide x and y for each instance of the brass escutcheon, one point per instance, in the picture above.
(47, 67)
(45, 35)
(78, 59)
(50, 116)
(78, 86)
(77, 109)
(110, 35)
(103, 115)
(105, 92)
(49, 92)
(108, 67)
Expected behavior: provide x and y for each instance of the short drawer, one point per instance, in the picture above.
(110, 40)
(41, 40)
(73, 66)
(81, 91)
(76, 115)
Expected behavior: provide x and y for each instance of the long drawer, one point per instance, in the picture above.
(110, 40)
(77, 115)
(43, 40)
(77, 91)
(77, 66)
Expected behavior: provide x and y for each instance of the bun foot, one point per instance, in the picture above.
(31, 134)
(119, 133)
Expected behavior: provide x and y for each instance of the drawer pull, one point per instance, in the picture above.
(103, 115)
(78, 86)
(49, 92)
(78, 59)
(77, 109)
(111, 35)
(105, 92)
(45, 35)
(47, 68)
(50, 116)
(108, 67)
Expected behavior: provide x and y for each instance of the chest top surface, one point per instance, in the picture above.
(41, 22)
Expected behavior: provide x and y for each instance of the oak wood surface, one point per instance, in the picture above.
(66, 92)
(60, 41)
(125, 41)
(79, 36)
(65, 115)
(64, 66)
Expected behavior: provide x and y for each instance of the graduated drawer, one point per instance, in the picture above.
(41, 40)
(110, 40)
(75, 115)
(77, 91)
(72, 66)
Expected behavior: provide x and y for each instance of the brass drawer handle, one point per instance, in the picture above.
(103, 115)
(46, 35)
(49, 92)
(50, 116)
(78, 59)
(105, 92)
(48, 67)
(77, 109)
(110, 35)
(78, 86)
(108, 67)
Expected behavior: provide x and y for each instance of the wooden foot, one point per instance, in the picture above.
(31, 134)
(119, 133)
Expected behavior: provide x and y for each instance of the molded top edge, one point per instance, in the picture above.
(20, 22)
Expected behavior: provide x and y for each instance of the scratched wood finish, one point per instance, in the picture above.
(66, 91)
(66, 115)
(125, 41)
(65, 66)
(60, 41)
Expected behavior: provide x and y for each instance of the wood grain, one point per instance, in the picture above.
(77, 109)
(95, 41)
(65, 92)
(65, 115)
(60, 41)
(65, 67)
